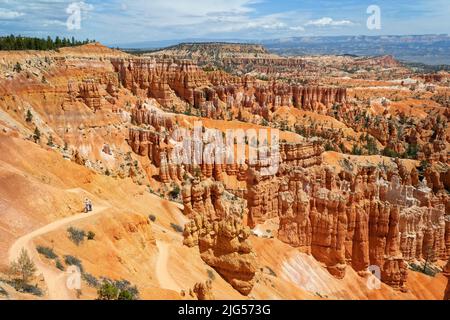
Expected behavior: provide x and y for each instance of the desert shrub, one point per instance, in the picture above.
(412, 151)
(117, 290)
(91, 280)
(125, 295)
(152, 217)
(371, 146)
(91, 235)
(47, 252)
(211, 275)
(271, 272)
(73, 261)
(388, 152)
(107, 291)
(126, 286)
(175, 193)
(18, 67)
(329, 146)
(357, 151)
(177, 228)
(32, 289)
(50, 141)
(76, 235)
(59, 265)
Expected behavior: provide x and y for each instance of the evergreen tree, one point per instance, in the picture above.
(36, 135)
(29, 116)
(24, 267)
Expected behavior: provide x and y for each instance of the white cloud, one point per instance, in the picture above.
(297, 28)
(6, 14)
(326, 21)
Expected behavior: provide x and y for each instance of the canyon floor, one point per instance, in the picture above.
(90, 122)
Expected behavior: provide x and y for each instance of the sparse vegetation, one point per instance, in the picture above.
(76, 235)
(271, 272)
(22, 270)
(107, 291)
(177, 228)
(91, 235)
(73, 261)
(17, 68)
(117, 290)
(211, 275)
(90, 280)
(47, 252)
(175, 193)
(50, 141)
(37, 135)
(59, 265)
(357, 151)
(29, 116)
(388, 152)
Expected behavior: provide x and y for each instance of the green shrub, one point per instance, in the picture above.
(47, 252)
(59, 265)
(76, 235)
(388, 152)
(175, 193)
(125, 295)
(356, 150)
(107, 291)
(412, 151)
(91, 280)
(117, 290)
(91, 235)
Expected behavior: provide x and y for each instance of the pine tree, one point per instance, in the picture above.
(50, 141)
(18, 67)
(29, 116)
(23, 267)
(36, 135)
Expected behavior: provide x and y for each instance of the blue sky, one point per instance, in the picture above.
(120, 22)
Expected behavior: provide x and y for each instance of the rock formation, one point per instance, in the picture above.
(88, 91)
(217, 228)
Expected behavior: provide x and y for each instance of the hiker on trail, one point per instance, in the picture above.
(86, 205)
(89, 205)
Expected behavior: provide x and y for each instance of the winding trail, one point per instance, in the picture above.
(55, 279)
(162, 273)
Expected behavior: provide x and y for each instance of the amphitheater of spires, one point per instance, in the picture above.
(374, 217)
(181, 84)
